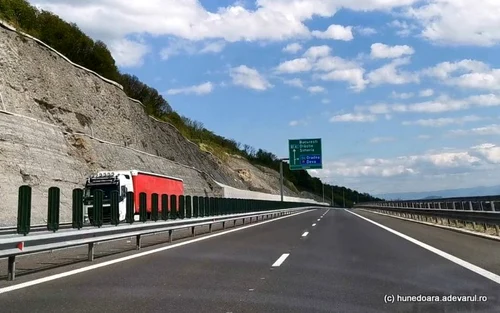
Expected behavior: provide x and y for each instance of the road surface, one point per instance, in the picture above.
(342, 264)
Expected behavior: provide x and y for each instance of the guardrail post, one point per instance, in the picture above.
(138, 241)
(164, 207)
(182, 207)
(203, 201)
(97, 209)
(170, 235)
(24, 210)
(91, 250)
(173, 207)
(193, 231)
(189, 207)
(154, 207)
(210, 206)
(226, 206)
(219, 203)
(231, 206)
(129, 217)
(11, 273)
(77, 208)
(143, 214)
(53, 211)
(115, 208)
(196, 206)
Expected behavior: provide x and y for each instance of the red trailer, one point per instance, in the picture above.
(151, 183)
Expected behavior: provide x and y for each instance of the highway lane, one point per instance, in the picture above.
(349, 265)
(342, 264)
(480, 251)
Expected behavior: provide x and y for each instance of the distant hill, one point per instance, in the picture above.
(432, 198)
(462, 192)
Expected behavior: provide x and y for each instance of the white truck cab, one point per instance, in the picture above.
(120, 181)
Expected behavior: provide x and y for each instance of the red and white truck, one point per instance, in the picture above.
(129, 181)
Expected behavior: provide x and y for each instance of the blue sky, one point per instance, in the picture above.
(404, 93)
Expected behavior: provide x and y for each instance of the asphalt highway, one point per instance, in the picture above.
(343, 263)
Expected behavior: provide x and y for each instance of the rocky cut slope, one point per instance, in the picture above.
(60, 122)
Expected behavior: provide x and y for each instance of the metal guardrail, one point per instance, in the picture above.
(491, 218)
(477, 210)
(15, 245)
(487, 203)
(9, 230)
(160, 207)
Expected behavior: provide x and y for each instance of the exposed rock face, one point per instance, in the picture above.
(67, 123)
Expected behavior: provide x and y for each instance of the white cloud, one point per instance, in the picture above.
(402, 96)
(201, 89)
(445, 69)
(459, 22)
(293, 48)
(444, 121)
(213, 47)
(438, 105)
(334, 68)
(415, 166)
(316, 89)
(391, 74)
(382, 139)
(332, 63)
(128, 53)
(296, 82)
(325, 101)
(181, 46)
(382, 51)
(295, 98)
(276, 20)
(298, 123)
(404, 29)
(354, 76)
(249, 78)
(271, 20)
(379, 108)
(469, 74)
(366, 31)
(423, 137)
(295, 66)
(488, 130)
(313, 53)
(426, 93)
(336, 32)
(489, 151)
(360, 118)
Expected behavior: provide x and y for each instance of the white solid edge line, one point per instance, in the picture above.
(476, 269)
(281, 259)
(305, 234)
(134, 256)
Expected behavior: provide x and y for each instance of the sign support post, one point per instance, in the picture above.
(281, 176)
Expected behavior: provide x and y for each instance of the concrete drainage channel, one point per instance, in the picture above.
(51, 259)
(477, 229)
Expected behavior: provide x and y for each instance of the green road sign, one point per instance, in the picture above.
(305, 154)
